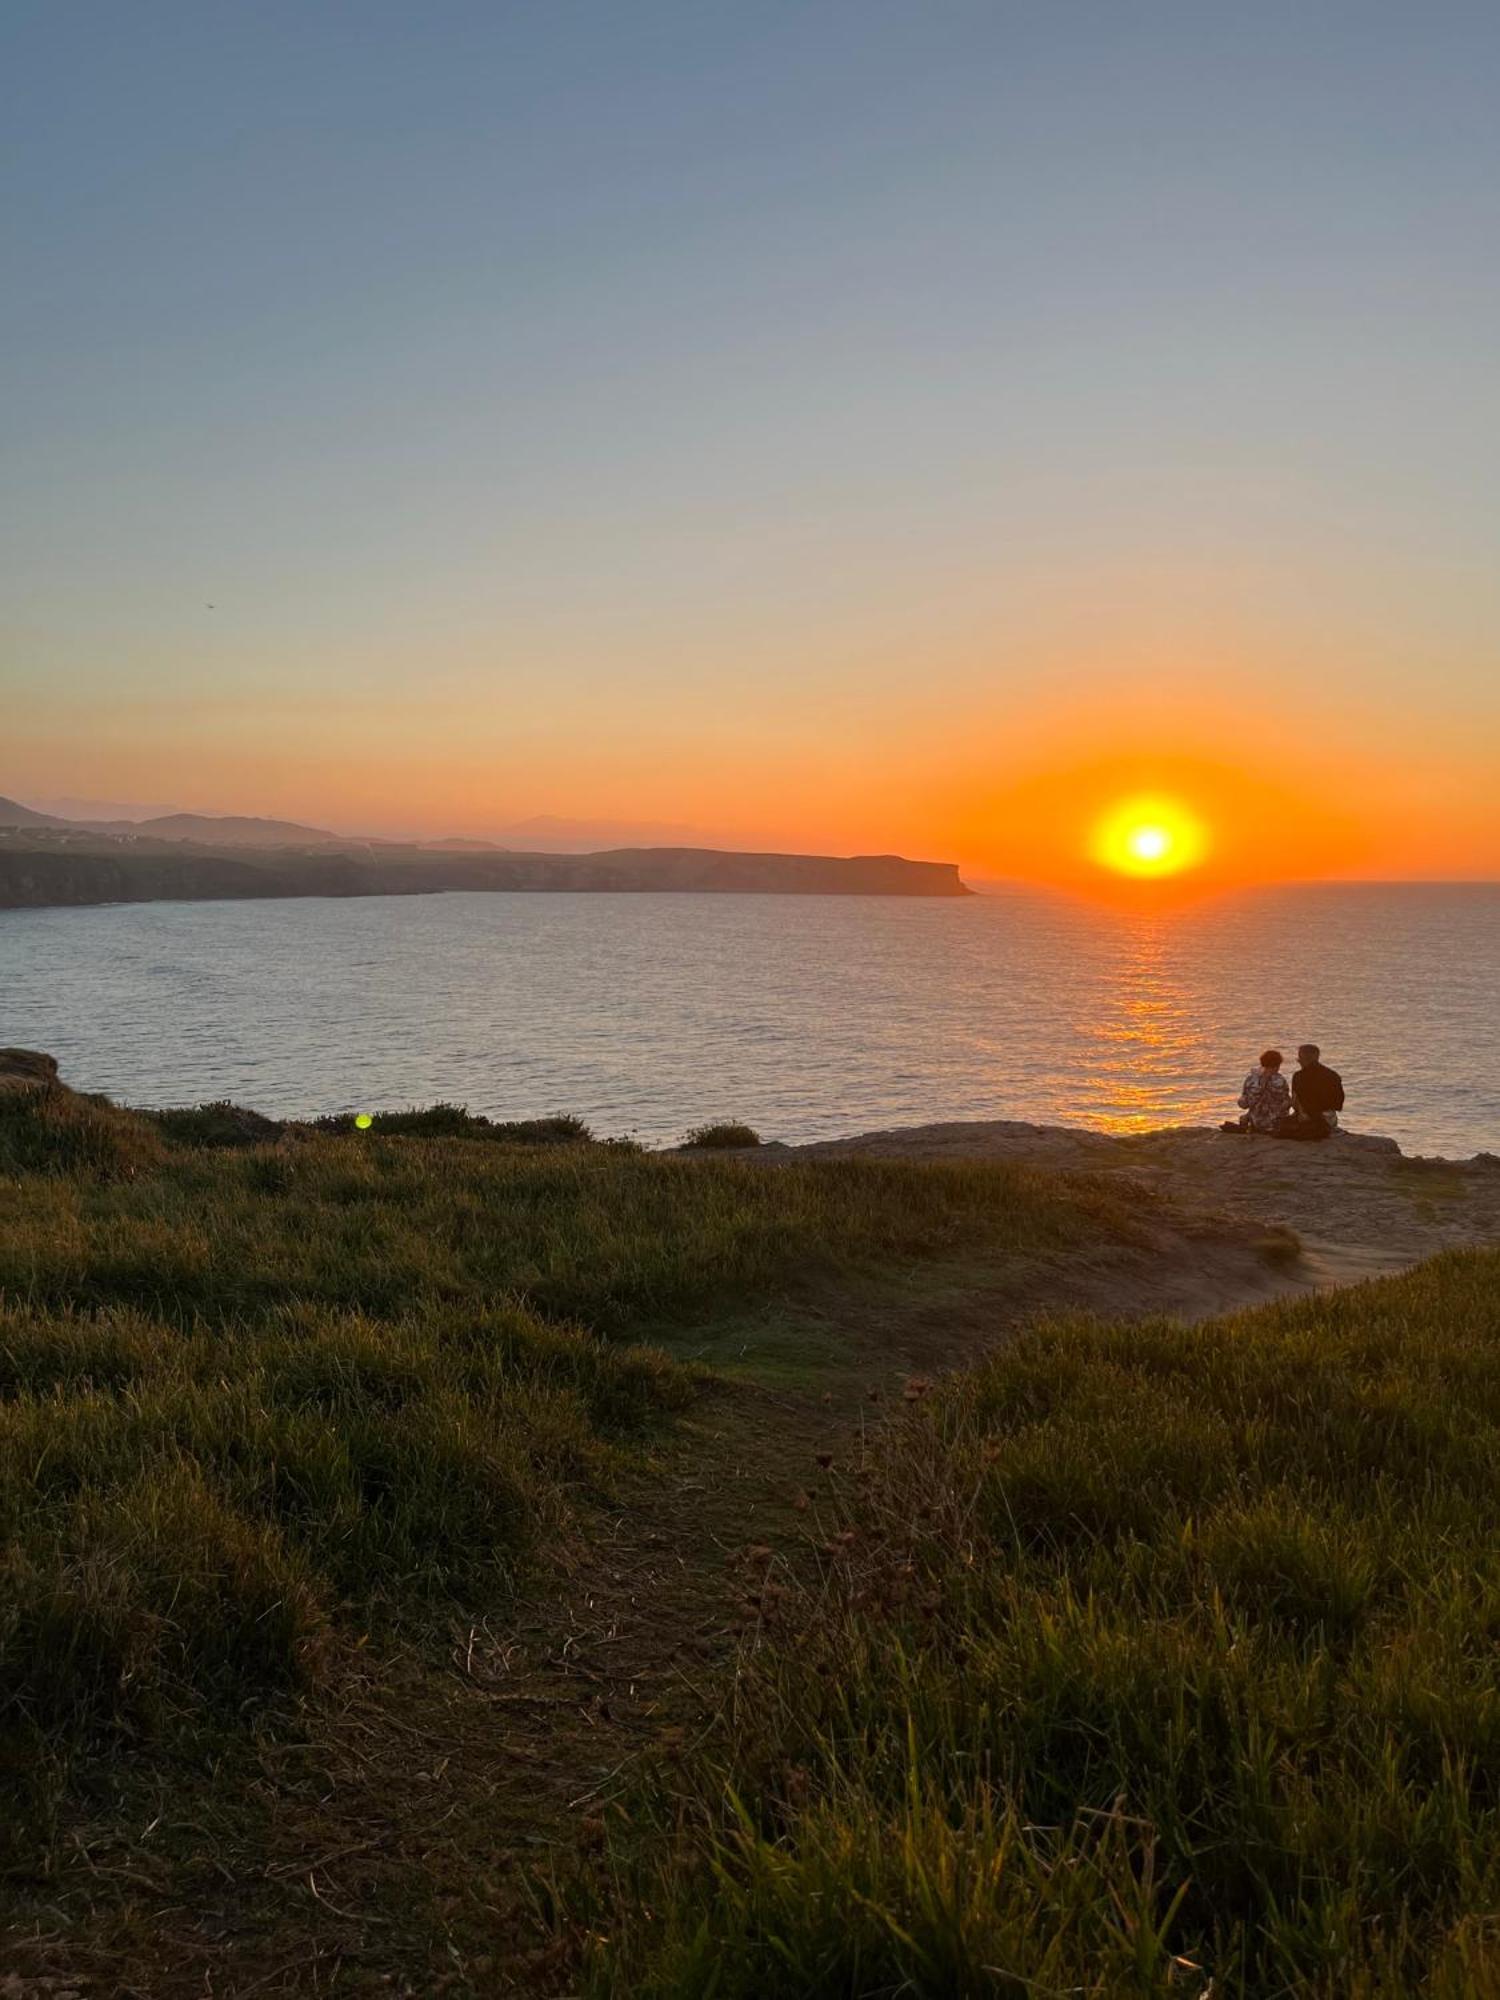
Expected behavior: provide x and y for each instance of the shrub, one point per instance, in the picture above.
(703, 1137)
(217, 1124)
(560, 1130)
(455, 1121)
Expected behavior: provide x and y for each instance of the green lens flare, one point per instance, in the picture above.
(364, 1121)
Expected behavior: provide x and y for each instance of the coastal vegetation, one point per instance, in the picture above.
(1129, 1658)
(263, 1397)
(1141, 1659)
(724, 1137)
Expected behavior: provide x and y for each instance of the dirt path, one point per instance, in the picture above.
(402, 1845)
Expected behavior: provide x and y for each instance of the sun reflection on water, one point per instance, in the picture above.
(1135, 1046)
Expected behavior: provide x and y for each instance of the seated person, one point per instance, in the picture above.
(1317, 1097)
(1265, 1097)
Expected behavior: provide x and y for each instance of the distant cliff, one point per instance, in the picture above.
(38, 869)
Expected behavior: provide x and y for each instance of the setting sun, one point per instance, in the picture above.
(1149, 837)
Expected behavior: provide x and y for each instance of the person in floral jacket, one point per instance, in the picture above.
(1265, 1098)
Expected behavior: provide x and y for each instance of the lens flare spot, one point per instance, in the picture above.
(364, 1121)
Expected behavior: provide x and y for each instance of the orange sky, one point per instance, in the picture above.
(1002, 792)
(993, 737)
(984, 705)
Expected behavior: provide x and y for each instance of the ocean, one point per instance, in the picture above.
(806, 1017)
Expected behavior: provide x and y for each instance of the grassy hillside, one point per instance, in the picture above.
(360, 1514)
(1139, 1660)
(261, 1399)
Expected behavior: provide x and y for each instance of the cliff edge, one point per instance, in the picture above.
(39, 869)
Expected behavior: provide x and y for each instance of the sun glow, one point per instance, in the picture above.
(1149, 837)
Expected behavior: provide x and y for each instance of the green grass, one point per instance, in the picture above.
(1135, 1660)
(621, 1240)
(57, 1132)
(1139, 1660)
(258, 1400)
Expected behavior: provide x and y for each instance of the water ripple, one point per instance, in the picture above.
(806, 1016)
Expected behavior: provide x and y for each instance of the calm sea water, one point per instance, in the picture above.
(806, 1016)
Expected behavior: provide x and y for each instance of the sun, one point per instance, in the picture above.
(1149, 836)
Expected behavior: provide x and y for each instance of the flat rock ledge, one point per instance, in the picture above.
(1356, 1191)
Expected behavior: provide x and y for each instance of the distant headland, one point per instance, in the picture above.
(190, 857)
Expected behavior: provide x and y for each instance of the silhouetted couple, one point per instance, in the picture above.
(1307, 1109)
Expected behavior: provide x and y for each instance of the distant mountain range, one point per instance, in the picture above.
(542, 834)
(45, 860)
(64, 806)
(14, 814)
(206, 829)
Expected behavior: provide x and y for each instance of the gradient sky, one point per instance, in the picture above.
(846, 425)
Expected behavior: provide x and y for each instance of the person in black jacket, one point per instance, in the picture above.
(1317, 1097)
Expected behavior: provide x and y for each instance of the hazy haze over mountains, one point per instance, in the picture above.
(68, 807)
(13, 813)
(544, 833)
(232, 830)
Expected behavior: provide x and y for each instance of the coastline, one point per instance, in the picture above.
(36, 873)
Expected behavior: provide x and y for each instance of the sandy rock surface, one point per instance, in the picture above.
(1359, 1204)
